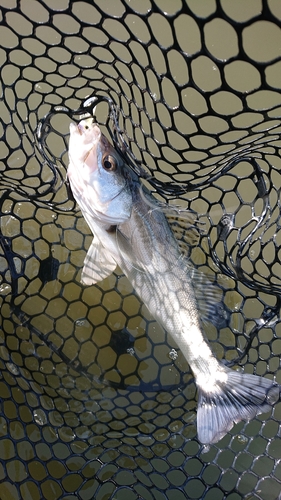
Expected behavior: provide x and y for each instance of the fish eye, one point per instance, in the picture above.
(109, 162)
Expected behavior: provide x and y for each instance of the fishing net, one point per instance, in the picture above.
(96, 400)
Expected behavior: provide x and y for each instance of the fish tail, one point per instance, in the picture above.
(241, 397)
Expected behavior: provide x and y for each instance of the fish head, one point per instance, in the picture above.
(98, 175)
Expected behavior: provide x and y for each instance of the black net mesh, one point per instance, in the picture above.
(95, 404)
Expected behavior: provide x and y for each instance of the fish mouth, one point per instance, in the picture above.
(89, 128)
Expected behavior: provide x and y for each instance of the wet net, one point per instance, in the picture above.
(96, 400)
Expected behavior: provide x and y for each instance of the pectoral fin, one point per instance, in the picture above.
(98, 264)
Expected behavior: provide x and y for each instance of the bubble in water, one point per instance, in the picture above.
(242, 439)
(81, 322)
(173, 354)
(131, 351)
(5, 289)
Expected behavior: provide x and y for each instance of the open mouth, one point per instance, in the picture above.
(89, 128)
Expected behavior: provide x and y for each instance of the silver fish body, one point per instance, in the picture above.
(131, 231)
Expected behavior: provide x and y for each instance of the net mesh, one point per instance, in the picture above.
(96, 400)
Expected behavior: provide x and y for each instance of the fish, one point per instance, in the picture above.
(132, 231)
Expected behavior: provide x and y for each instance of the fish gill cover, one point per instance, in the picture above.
(96, 399)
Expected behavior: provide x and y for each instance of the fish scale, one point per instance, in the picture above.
(130, 230)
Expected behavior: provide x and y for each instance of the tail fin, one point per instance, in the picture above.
(241, 397)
